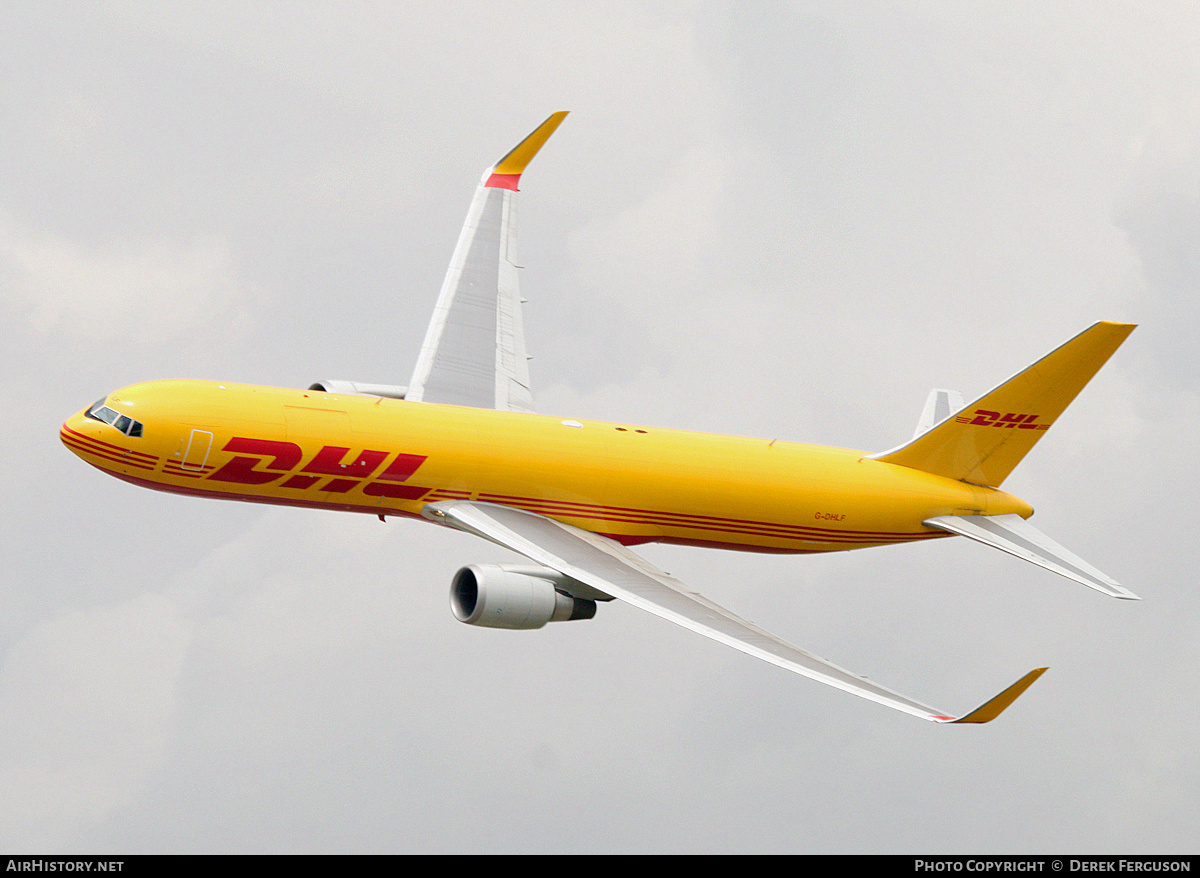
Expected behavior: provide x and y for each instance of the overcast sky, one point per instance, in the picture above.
(774, 219)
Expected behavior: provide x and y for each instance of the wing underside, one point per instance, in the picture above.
(609, 567)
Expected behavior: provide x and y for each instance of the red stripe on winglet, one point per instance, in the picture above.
(503, 181)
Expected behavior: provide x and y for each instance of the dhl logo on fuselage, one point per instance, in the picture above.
(985, 418)
(274, 460)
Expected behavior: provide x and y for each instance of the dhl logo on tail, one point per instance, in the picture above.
(984, 418)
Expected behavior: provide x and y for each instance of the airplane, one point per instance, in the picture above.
(461, 446)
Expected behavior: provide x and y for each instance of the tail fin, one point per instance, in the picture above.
(940, 405)
(984, 442)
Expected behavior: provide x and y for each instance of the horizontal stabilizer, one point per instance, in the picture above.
(1015, 535)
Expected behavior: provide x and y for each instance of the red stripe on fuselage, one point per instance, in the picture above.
(66, 432)
(705, 522)
(271, 500)
(113, 456)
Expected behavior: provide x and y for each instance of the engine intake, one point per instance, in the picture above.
(507, 596)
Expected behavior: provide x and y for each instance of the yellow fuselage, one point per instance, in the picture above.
(635, 484)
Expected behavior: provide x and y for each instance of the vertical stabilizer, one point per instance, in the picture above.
(985, 441)
(940, 405)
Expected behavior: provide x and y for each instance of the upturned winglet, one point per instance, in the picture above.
(989, 710)
(507, 172)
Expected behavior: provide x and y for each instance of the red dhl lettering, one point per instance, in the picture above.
(401, 468)
(328, 462)
(244, 471)
(273, 460)
(984, 418)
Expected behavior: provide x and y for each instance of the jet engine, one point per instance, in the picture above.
(357, 388)
(508, 596)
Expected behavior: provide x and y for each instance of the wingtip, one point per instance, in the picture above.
(507, 172)
(991, 709)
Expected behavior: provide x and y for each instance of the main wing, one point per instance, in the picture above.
(609, 567)
(474, 348)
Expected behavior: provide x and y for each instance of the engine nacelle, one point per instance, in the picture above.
(507, 596)
(358, 388)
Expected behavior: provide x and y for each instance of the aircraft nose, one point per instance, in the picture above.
(109, 439)
(74, 434)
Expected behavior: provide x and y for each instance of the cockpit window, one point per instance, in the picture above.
(127, 425)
